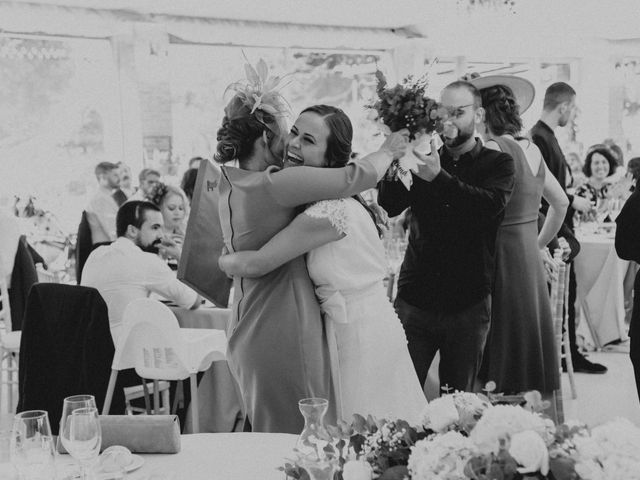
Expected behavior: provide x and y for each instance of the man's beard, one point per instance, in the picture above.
(151, 248)
(459, 139)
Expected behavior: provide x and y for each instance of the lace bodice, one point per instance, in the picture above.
(353, 262)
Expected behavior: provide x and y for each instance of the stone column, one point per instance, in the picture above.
(142, 54)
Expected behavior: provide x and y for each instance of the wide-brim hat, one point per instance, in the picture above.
(523, 90)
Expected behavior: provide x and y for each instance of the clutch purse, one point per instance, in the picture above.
(139, 433)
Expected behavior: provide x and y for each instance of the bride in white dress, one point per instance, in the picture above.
(371, 367)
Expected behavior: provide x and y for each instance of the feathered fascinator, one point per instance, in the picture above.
(259, 94)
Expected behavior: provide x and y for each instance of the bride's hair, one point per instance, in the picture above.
(338, 151)
(502, 112)
(236, 137)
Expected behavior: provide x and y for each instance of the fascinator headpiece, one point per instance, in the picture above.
(259, 94)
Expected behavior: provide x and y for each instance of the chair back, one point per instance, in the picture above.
(559, 293)
(66, 348)
(151, 342)
(84, 245)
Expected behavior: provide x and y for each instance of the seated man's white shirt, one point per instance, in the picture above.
(101, 215)
(122, 272)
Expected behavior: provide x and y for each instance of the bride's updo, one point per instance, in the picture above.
(502, 112)
(237, 135)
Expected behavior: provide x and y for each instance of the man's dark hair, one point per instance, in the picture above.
(104, 167)
(477, 99)
(132, 213)
(145, 172)
(556, 94)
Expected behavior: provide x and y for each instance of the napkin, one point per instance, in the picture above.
(139, 433)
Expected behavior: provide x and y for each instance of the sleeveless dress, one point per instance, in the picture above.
(277, 349)
(520, 353)
(371, 367)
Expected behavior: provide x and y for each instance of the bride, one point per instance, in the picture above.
(370, 362)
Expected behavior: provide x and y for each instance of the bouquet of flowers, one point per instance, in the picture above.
(406, 106)
(479, 437)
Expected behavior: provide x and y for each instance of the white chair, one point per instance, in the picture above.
(153, 343)
(9, 345)
(559, 307)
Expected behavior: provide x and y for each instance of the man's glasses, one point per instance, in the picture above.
(454, 112)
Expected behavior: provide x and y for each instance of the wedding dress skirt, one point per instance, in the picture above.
(370, 362)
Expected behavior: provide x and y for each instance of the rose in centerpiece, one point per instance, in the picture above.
(406, 106)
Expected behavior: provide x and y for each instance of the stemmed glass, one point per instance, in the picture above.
(69, 405)
(84, 437)
(32, 445)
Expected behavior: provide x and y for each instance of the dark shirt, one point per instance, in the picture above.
(544, 138)
(449, 261)
(628, 248)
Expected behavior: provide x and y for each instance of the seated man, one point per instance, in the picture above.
(130, 268)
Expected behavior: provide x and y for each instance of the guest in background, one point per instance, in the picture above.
(599, 166)
(174, 206)
(126, 179)
(148, 179)
(188, 182)
(558, 110)
(628, 248)
(633, 169)
(130, 267)
(457, 202)
(102, 207)
(520, 354)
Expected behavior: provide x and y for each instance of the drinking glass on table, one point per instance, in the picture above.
(68, 406)
(85, 437)
(32, 445)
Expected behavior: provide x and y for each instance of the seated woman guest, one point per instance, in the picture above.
(599, 165)
(173, 205)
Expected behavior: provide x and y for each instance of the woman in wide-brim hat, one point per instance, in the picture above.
(520, 354)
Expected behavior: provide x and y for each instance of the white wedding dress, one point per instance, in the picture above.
(371, 367)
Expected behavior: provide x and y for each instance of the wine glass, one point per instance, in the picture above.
(68, 406)
(32, 445)
(85, 437)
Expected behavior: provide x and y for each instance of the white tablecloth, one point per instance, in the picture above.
(218, 396)
(218, 456)
(600, 288)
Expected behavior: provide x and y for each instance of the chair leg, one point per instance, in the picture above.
(2, 371)
(569, 362)
(166, 402)
(110, 388)
(179, 395)
(147, 399)
(194, 403)
(156, 397)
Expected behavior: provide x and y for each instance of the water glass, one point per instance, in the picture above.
(85, 437)
(32, 445)
(68, 406)
(7, 471)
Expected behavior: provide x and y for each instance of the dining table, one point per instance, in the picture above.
(213, 456)
(600, 278)
(220, 404)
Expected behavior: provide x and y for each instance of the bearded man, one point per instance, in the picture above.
(457, 202)
(130, 268)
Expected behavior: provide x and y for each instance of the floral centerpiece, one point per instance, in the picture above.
(406, 106)
(477, 437)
